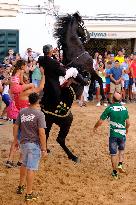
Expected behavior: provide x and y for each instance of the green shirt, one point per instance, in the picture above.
(36, 75)
(117, 115)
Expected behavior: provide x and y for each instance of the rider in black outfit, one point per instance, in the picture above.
(52, 70)
(52, 97)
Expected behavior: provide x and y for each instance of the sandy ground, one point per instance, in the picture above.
(61, 182)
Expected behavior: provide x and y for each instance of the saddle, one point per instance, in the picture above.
(62, 108)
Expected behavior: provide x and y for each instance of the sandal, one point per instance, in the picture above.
(20, 189)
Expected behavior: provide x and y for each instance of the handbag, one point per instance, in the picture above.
(12, 111)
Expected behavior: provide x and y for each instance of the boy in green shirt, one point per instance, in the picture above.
(119, 124)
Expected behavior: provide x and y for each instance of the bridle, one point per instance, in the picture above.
(77, 58)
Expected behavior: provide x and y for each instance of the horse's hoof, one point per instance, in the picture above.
(75, 159)
(48, 151)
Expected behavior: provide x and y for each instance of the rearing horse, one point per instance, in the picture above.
(71, 35)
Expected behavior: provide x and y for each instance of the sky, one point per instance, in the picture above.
(92, 7)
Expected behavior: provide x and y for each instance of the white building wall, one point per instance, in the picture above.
(35, 30)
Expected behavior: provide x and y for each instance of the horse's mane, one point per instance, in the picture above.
(61, 27)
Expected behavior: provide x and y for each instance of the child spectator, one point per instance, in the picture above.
(125, 79)
(107, 71)
(36, 75)
(120, 56)
(5, 97)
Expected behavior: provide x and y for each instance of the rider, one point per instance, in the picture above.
(53, 70)
(56, 74)
(53, 98)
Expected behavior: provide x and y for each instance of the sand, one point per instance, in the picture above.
(61, 182)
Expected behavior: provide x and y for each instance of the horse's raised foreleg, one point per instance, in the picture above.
(65, 124)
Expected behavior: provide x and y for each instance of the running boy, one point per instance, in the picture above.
(31, 122)
(119, 124)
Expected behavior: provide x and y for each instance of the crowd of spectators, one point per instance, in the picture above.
(118, 72)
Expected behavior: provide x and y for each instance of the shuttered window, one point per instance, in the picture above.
(8, 39)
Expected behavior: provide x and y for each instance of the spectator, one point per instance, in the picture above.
(101, 72)
(32, 123)
(92, 84)
(16, 83)
(30, 54)
(120, 56)
(10, 55)
(133, 68)
(112, 59)
(116, 78)
(5, 97)
(36, 74)
(125, 78)
(107, 71)
(108, 57)
(119, 124)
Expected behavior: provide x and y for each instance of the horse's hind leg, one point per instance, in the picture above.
(65, 124)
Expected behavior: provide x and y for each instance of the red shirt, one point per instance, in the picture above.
(133, 67)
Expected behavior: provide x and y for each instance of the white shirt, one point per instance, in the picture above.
(5, 90)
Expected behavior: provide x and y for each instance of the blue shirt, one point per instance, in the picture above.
(116, 73)
(107, 78)
(124, 66)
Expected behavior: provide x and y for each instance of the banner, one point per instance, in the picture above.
(112, 35)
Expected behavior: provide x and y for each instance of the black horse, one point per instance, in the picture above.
(72, 35)
(57, 101)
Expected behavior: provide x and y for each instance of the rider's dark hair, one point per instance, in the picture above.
(47, 48)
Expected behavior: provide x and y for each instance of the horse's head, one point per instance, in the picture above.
(81, 29)
(70, 25)
(71, 34)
